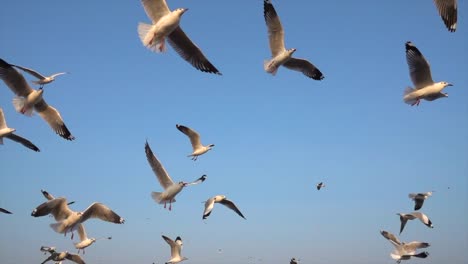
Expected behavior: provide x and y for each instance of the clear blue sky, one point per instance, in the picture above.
(275, 136)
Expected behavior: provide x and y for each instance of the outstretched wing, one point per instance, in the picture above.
(229, 204)
(304, 66)
(275, 29)
(158, 169)
(99, 210)
(419, 68)
(31, 71)
(448, 12)
(53, 118)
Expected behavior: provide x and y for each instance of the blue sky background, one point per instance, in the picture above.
(275, 136)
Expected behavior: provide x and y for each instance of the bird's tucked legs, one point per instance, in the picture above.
(164, 205)
(416, 102)
(170, 206)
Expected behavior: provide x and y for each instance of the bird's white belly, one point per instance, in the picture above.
(171, 192)
(166, 25)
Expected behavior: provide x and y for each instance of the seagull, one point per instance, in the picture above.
(42, 79)
(28, 99)
(420, 72)
(280, 55)
(198, 148)
(4, 211)
(84, 240)
(419, 198)
(320, 185)
(56, 256)
(6, 132)
(293, 261)
(404, 251)
(165, 24)
(411, 216)
(68, 220)
(176, 247)
(209, 205)
(448, 12)
(171, 189)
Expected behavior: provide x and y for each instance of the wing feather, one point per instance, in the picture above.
(448, 12)
(304, 66)
(155, 9)
(14, 79)
(275, 29)
(158, 169)
(419, 68)
(99, 210)
(53, 118)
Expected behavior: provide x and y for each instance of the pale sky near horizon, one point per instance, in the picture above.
(275, 137)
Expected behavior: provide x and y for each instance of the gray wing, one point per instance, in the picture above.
(4, 211)
(197, 181)
(391, 237)
(209, 205)
(23, 141)
(155, 9)
(448, 12)
(75, 258)
(412, 246)
(31, 71)
(418, 202)
(47, 195)
(192, 134)
(175, 248)
(275, 29)
(304, 66)
(14, 80)
(57, 207)
(57, 74)
(190, 52)
(229, 204)
(99, 210)
(403, 221)
(51, 257)
(158, 169)
(53, 118)
(419, 68)
(82, 232)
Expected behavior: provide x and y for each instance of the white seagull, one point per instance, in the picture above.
(176, 248)
(448, 12)
(171, 189)
(85, 241)
(42, 79)
(165, 24)
(320, 185)
(419, 198)
(198, 148)
(420, 72)
(209, 205)
(6, 132)
(5, 211)
(68, 220)
(29, 99)
(293, 261)
(411, 216)
(404, 251)
(59, 257)
(280, 55)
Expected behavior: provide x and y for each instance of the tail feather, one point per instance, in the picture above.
(268, 68)
(20, 106)
(157, 198)
(58, 227)
(143, 30)
(149, 41)
(407, 98)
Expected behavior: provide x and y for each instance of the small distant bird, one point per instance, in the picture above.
(28, 99)
(171, 189)
(419, 198)
(68, 220)
(320, 185)
(166, 25)
(198, 148)
(293, 261)
(6, 132)
(404, 251)
(4, 211)
(411, 216)
(420, 72)
(176, 248)
(59, 257)
(448, 12)
(280, 55)
(84, 240)
(42, 79)
(209, 205)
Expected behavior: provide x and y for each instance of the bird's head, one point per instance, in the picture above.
(445, 84)
(181, 11)
(291, 51)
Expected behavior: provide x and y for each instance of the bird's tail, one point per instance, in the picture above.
(58, 227)
(20, 106)
(149, 41)
(407, 98)
(158, 199)
(269, 67)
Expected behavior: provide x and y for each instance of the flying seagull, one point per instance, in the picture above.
(6, 132)
(320, 185)
(420, 73)
(209, 205)
(280, 55)
(165, 24)
(58, 257)
(448, 12)
(28, 99)
(42, 80)
(69, 220)
(4, 211)
(404, 251)
(171, 189)
(293, 261)
(411, 216)
(85, 241)
(419, 198)
(198, 148)
(176, 247)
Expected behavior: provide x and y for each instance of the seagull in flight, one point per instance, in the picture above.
(282, 56)
(165, 25)
(448, 12)
(404, 251)
(42, 80)
(85, 241)
(411, 216)
(420, 73)
(28, 99)
(320, 185)
(198, 148)
(209, 205)
(60, 256)
(6, 132)
(171, 189)
(176, 248)
(419, 198)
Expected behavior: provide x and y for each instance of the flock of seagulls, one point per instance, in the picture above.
(165, 26)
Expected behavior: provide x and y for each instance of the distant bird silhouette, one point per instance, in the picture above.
(209, 205)
(419, 198)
